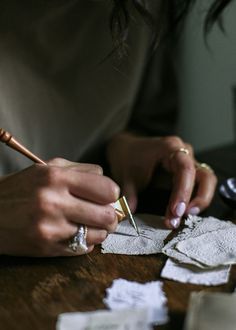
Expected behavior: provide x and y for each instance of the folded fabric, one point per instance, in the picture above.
(126, 241)
(192, 274)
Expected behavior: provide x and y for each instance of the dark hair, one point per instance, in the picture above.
(172, 13)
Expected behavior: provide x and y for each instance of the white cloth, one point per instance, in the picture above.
(195, 275)
(126, 241)
(125, 294)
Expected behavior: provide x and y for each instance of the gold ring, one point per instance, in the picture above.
(183, 150)
(203, 166)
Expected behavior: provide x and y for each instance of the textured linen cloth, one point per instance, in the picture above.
(195, 227)
(195, 275)
(126, 241)
(125, 294)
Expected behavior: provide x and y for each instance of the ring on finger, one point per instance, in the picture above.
(203, 166)
(78, 242)
(182, 149)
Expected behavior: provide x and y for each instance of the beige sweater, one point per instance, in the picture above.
(57, 95)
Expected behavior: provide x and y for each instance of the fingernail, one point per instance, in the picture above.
(194, 210)
(180, 209)
(117, 192)
(175, 222)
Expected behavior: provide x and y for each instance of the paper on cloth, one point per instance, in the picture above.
(126, 240)
(105, 320)
(211, 311)
(211, 249)
(125, 294)
(195, 226)
(192, 274)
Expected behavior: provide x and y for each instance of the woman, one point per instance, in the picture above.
(70, 87)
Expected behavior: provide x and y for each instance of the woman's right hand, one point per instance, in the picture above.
(42, 206)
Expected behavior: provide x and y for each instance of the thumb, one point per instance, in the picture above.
(130, 192)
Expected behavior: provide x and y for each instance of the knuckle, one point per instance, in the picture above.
(43, 234)
(57, 161)
(187, 165)
(45, 203)
(173, 141)
(53, 175)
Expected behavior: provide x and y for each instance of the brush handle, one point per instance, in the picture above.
(9, 140)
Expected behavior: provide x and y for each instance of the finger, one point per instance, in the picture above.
(92, 187)
(183, 169)
(90, 214)
(50, 240)
(96, 236)
(172, 146)
(82, 167)
(206, 183)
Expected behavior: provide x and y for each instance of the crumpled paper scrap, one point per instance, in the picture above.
(195, 227)
(126, 241)
(126, 294)
(135, 319)
(193, 274)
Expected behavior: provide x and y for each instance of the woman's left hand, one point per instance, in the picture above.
(133, 161)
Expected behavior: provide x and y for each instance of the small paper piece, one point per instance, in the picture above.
(192, 274)
(126, 240)
(125, 294)
(195, 227)
(211, 249)
(105, 320)
(211, 311)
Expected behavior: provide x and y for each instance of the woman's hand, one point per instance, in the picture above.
(42, 206)
(133, 161)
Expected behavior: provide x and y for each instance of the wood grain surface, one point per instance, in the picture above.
(33, 291)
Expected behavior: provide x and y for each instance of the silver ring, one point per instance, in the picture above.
(78, 242)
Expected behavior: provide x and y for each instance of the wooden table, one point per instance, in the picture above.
(34, 291)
